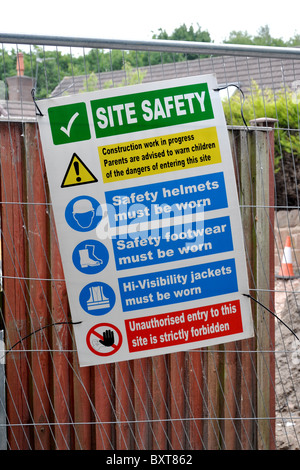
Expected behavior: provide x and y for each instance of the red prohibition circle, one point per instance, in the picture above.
(93, 331)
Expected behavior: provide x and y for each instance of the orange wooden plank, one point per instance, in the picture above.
(195, 392)
(142, 387)
(14, 286)
(38, 273)
(160, 440)
(213, 430)
(230, 397)
(62, 356)
(104, 402)
(177, 401)
(123, 406)
(82, 407)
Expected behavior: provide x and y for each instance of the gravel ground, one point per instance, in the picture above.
(287, 365)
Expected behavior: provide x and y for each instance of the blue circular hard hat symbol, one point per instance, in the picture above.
(83, 213)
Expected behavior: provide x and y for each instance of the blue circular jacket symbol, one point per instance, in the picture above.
(83, 213)
(97, 298)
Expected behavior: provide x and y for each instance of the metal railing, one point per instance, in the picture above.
(239, 396)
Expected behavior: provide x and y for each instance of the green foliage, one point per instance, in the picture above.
(183, 33)
(132, 77)
(239, 37)
(90, 84)
(262, 38)
(283, 106)
(8, 61)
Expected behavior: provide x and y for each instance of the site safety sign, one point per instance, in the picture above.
(145, 203)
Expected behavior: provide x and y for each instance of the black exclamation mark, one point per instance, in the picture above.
(76, 167)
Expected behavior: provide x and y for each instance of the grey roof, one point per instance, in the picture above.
(17, 110)
(266, 72)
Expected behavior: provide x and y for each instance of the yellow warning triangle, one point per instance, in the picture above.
(77, 173)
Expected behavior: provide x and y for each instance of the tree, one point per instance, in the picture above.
(90, 84)
(262, 38)
(258, 103)
(294, 41)
(239, 37)
(183, 33)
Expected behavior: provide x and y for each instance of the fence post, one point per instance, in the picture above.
(265, 279)
(246, 381)
(256, 187)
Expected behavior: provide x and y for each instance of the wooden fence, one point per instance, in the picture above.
(215, 398)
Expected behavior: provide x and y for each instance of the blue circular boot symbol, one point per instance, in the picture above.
(90, 257)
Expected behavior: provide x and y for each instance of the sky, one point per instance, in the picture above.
(139, 20)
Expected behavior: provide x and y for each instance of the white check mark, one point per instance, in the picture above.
(67, 129)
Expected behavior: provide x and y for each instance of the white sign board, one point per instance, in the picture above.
(148, 221)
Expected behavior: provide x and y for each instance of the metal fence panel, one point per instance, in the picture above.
(236, 396)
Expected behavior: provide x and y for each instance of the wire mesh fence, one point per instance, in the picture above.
(241, 395)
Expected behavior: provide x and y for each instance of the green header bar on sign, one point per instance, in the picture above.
(151, 109)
